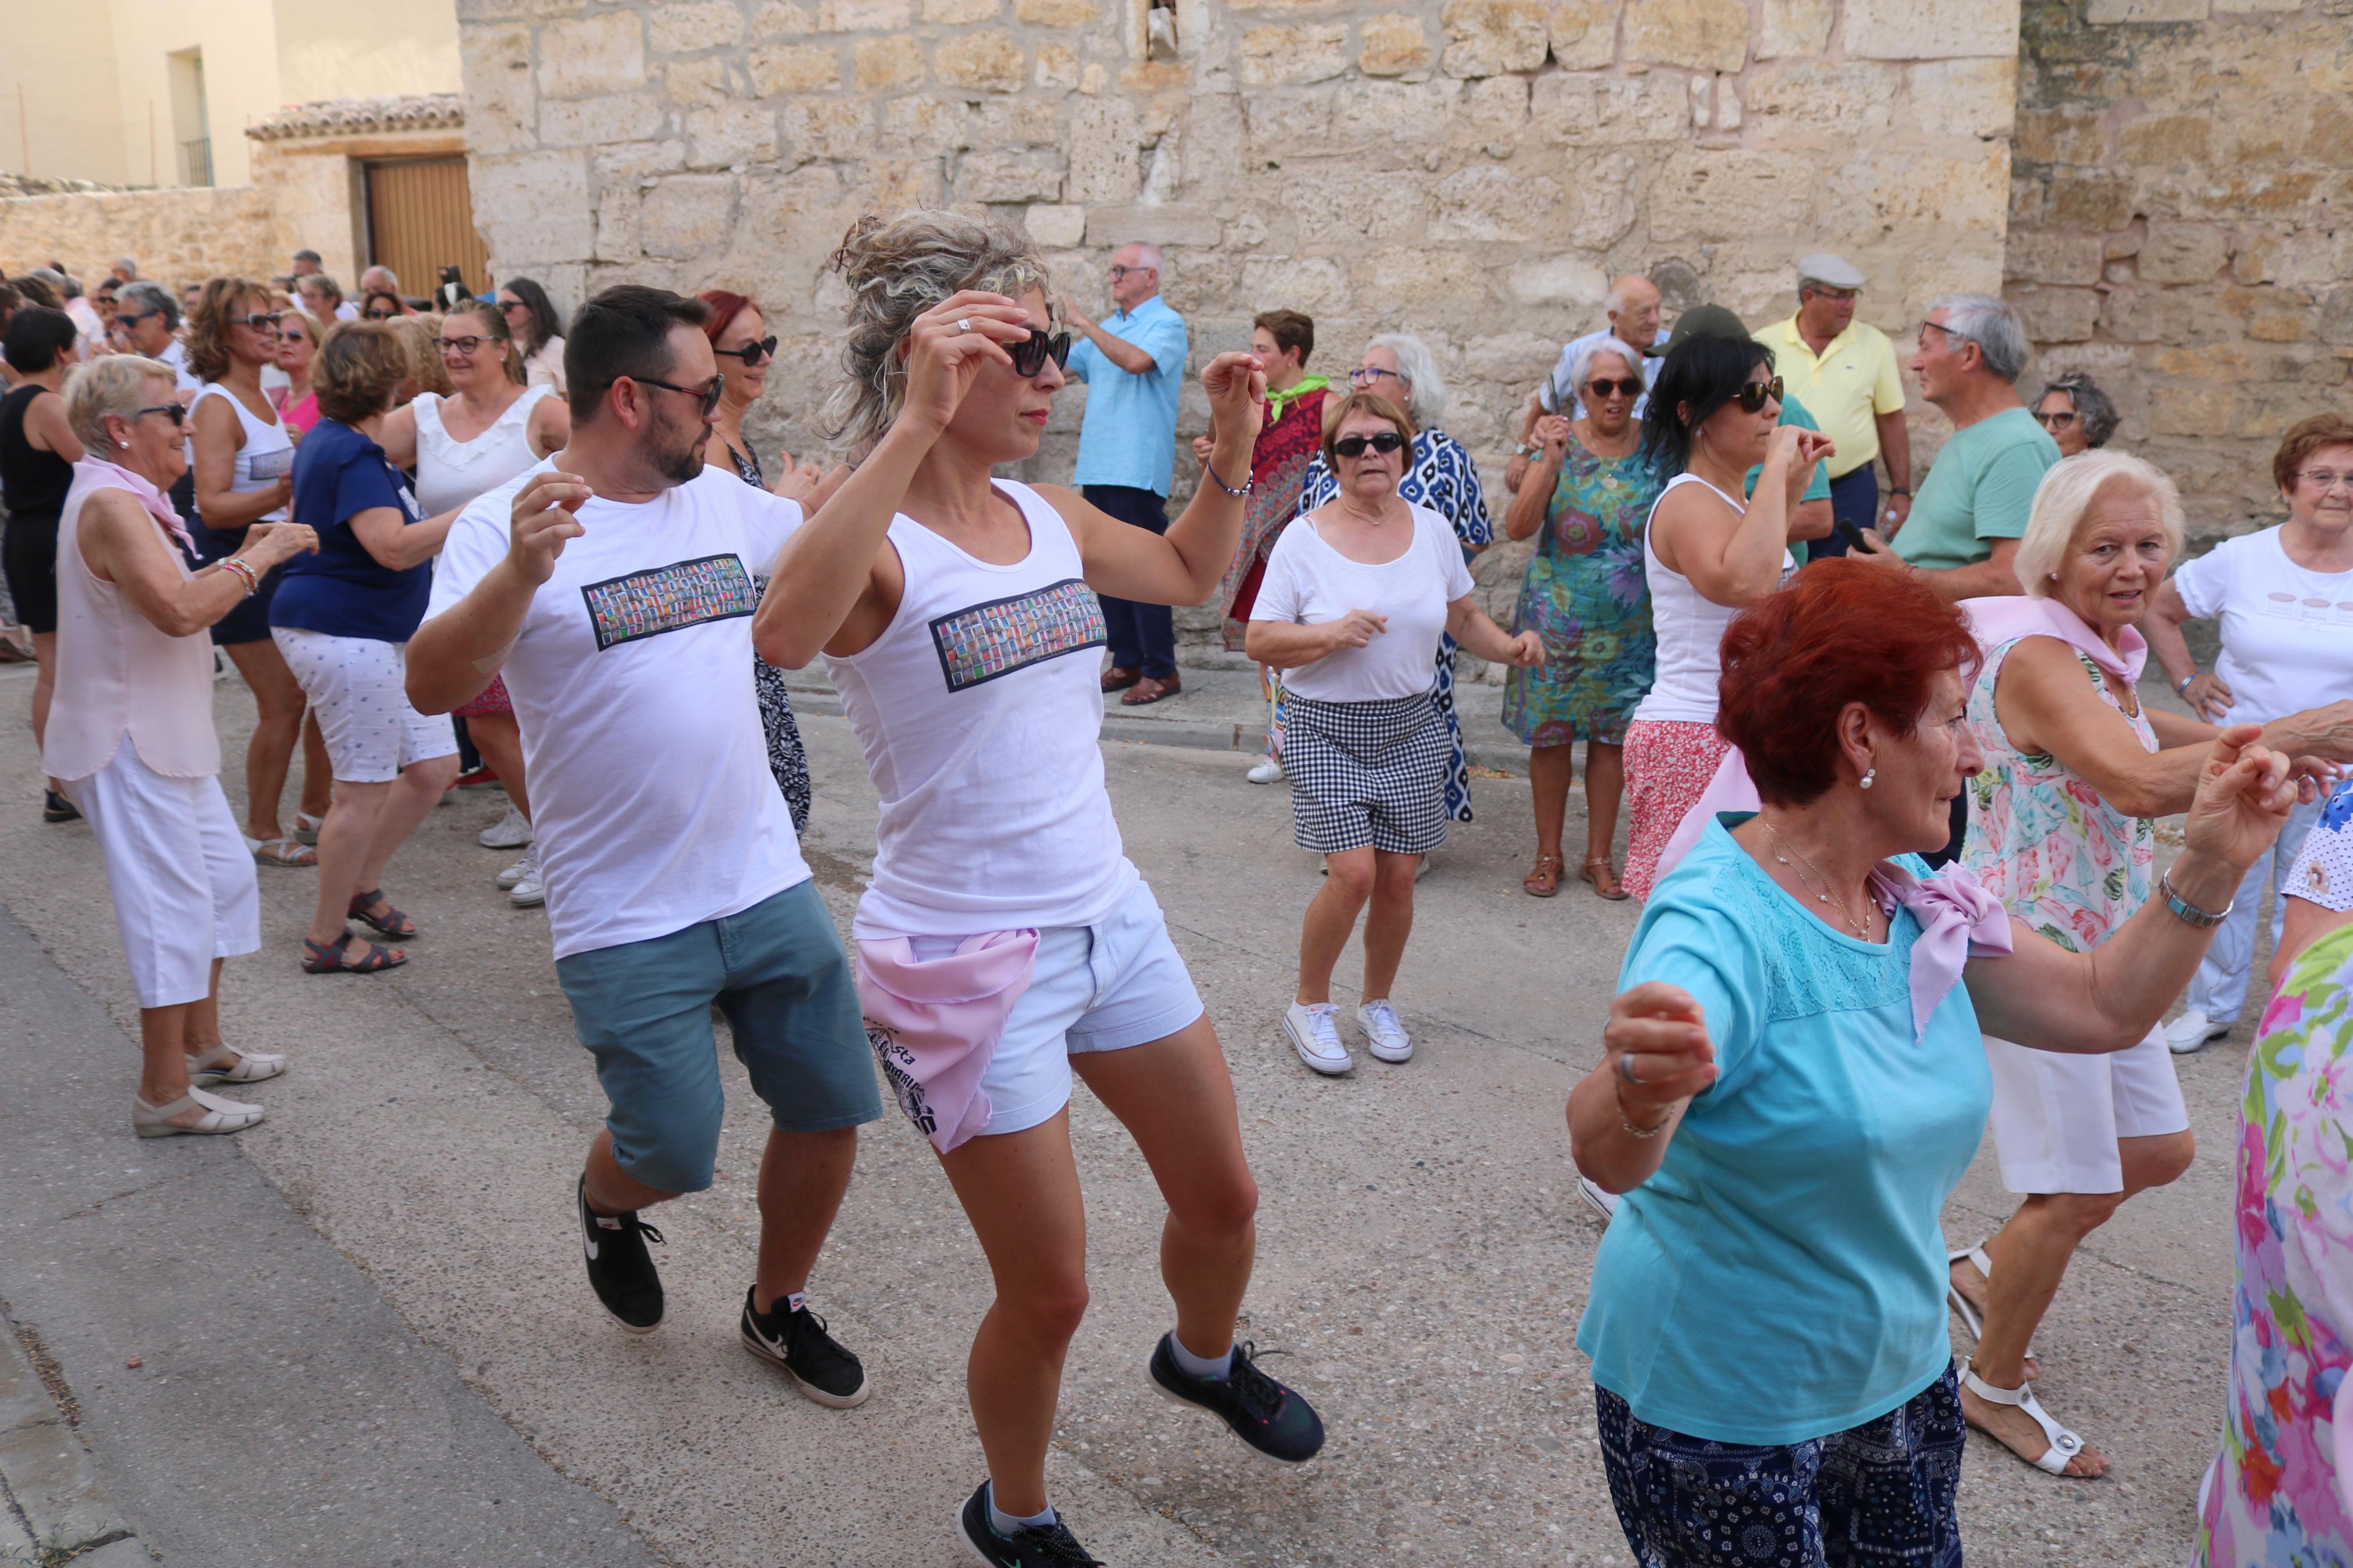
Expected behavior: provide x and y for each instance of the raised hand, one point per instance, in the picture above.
(1661, 1031)
(1552, 434)
(799, 483)
(1356, 628)
(541, 520)
(1202, 446)
(2243, 796)
(1236, 383)
(268, 544)
(946, 347)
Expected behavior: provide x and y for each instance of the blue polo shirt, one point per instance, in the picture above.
(1129, 434)
(342, 590)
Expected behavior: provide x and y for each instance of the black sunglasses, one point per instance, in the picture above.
(132, 318)
(1031, 354)
(707, 394)
(752, 354)
(377, 315)
(172, 411)
(1605, 386)
(259, 320)
(2055, 421)
(1354, 445)
(1752, 394)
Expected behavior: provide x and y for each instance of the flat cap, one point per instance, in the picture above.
(1821, 267)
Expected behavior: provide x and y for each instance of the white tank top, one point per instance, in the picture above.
(979, 712)
(1690, 628)
(450, 473)
(267, 452)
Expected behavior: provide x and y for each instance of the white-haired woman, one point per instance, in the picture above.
(1440, 476)
(2062, 830)
(130, 733)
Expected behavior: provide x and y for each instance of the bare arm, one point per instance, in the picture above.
(551, 427)
(2046, 703)
(454, 655)
(1471, 626)
(397, 436)
(46, 429)
(1895, 449)
(1811, 521)
(1531, 496)
(2305, 923)
(119, 545)
(395, 542)
(1619, 1131)
(1287, 645)
(1979, 580)
(223, 508)
(1732, 558)
(2208, 693)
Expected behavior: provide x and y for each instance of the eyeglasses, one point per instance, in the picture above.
(466, 345)
(1031, 354)
(2054, 421)
(171, 411)
(1118, 272)
(2322, 482)
(1365, 374)
(752, 354)
(707, 393)
(1955, 340)
(1631, 387)
(259, 320)
(377, 315)
(1387, 441)
(1752, 395)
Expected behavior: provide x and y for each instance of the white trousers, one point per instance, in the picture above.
(182, 878)
(2057, 1117)
(2219, 988)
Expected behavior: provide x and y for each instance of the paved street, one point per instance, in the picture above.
(371, 1314)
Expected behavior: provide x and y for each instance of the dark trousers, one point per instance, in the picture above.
(1856, 498)
(1141, 635)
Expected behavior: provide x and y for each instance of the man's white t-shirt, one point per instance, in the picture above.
(651, 799)
(2287, 634)
(1311, 583)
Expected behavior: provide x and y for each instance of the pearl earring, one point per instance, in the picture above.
(1869, 775)
(124, 445)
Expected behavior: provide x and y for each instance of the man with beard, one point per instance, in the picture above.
(612, 586)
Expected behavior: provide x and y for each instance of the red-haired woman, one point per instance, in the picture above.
(1795, 1079)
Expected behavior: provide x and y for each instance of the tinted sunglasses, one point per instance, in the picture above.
(1752, 396)
(2055, 421)
(752, 354)
(259, 320)
(1354, 445)
(1631, 387)
(1031, 354)
(132, 318)
(171, 411)
(377, 315)
(707, 394)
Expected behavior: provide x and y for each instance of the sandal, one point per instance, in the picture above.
(392, 922)
(220, 1116)
(1545, 880)
(286, 854)
(336, 958)
(2065, 1444)
(1971, 1319)
(223, 1064)
(306, 828)
(1600, 864)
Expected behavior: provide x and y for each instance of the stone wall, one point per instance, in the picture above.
(2181, 226)
(179, 235)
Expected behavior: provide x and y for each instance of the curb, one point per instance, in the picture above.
(47, 1478)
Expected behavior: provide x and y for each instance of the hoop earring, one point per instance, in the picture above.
(1869, 775)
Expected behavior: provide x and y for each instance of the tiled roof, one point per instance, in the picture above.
(362, 116)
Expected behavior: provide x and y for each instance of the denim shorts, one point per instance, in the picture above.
(778, 972)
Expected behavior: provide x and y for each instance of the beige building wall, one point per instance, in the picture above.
(58, 109)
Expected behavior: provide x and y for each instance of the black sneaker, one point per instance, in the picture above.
(55, 808)
(1270, 1418)
(619, 1269)
(1047, 1546)
(797, 1343)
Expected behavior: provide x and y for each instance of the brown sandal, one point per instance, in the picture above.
(1545, 880)
(1614, 892)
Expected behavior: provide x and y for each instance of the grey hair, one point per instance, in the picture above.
(132, 262)
(153, 297)
(391, 279)
(896, 269)
(112, 385)
(1615, 301)
(1990, 324)
(2065, 496)
(1425, 398)
(1578, 371)
(2094, 411)
(1149, 256)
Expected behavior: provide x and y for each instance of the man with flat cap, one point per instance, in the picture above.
(1844, 370)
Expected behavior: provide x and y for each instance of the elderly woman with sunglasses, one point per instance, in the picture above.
(1357, 594)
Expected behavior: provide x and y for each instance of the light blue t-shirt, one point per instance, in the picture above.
(1781, 1276)
(1128, 436)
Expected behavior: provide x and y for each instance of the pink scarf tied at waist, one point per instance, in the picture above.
(935, 1022)
(98, 474)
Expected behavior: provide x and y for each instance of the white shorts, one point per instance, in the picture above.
(1101, 987)
(358, 686)
(182, 878)
(2057, 1117)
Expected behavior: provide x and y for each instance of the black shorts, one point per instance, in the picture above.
(28, 551)
(249, 619)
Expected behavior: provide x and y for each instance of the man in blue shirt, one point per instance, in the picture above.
(1133, 362)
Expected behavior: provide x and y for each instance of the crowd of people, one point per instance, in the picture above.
(1890, 793)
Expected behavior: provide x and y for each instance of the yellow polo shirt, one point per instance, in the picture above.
(1850, 382)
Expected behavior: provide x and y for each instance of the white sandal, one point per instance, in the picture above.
(252, 1067)
(220, 1115)
(306, 828)
(2065, 1444)
(1971, 1319)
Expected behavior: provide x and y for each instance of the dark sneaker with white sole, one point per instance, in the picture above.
(798, 1342)
(1045, 1546)
(620, 1270)
(1270, 1418)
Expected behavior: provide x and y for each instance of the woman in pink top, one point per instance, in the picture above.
(131, 735)
(299, 337)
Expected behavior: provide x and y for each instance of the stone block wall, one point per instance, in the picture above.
(179, 235)
(2181, 226)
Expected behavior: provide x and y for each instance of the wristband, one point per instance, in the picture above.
(1247, 485)
(2189, 913)
(2183, 685)
(243, 573)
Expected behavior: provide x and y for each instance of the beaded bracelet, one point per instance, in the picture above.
(243, 573)
(1247, 485)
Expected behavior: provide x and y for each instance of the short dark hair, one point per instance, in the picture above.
(1371, 402)
(1290, 330)
(358, 366)
(38, 336)
(1702, 374)
(2094, 413)
(306, 256)
(623, 332)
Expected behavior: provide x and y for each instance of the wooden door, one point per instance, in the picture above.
(421, 219)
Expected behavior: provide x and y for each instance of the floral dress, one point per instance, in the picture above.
(1585, 594)
(2276, 1496)
(788, 762)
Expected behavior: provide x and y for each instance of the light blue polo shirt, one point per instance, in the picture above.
(1129, 434)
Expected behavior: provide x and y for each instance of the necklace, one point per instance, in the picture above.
(1862, 926)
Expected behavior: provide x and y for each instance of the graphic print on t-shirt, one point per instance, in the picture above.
(669, 598)
(982, 642)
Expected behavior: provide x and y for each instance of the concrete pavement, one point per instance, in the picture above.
(1423, 1258)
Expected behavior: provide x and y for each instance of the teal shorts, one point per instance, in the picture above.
(778, 973)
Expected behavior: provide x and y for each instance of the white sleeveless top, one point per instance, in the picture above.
(450, 473)
(979, 712)
(267, 452)
(1690, 628)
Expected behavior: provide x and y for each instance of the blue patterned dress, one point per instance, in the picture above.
(1442, 478)
(1586, 595)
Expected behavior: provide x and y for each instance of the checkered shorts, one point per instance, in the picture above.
(1366, 772)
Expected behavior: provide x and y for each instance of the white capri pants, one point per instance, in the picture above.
(359, 689)
(2057, 1117)
(182, 878)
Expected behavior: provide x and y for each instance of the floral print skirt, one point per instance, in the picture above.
(1668, 766)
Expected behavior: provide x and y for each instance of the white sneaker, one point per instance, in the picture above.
(527, 893)
(1602, 1202)
(2190, 1032)
(1265, 771)
(1384, 1036)
(516, 872)
(511, 831)
(1313, 1030)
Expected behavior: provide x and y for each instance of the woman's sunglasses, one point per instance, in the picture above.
(377, 315)
(259, 320)
(1752, 395)
(752, 354)
(1031, 354)
(171, 411)
(1629, 387)
(2055, 421)
(1387, 441)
